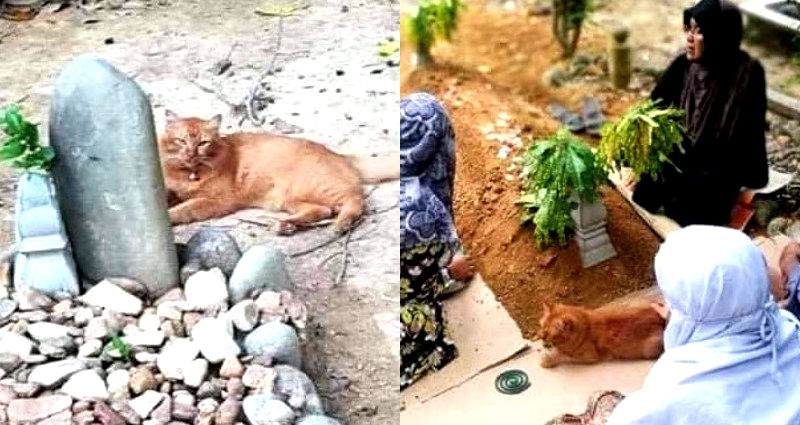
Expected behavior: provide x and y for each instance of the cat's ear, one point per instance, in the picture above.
(214, 123)
(171, 117)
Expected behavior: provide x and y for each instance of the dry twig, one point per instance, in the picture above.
(345, 256)
(249, 103)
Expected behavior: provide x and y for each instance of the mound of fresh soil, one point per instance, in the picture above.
(505, 106)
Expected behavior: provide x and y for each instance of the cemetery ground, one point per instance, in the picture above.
(496, 77)
(329, 85)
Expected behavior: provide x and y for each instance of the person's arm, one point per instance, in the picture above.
(670, 86)
(752, 158)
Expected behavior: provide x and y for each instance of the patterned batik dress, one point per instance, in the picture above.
(424, 345)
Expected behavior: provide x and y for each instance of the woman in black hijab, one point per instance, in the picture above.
(722, 90)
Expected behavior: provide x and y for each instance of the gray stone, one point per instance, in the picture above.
(207, 290)
(108, 416)
(86, 385)
(228, 412)
(276, 340)
(109, 178)
(244, 315)
(264, 409)
(112, 297)
(118, 382)
(318, 420)
(44, 259)
(210, 248)
(31, 299)
(259, 378)
(210, 389)
(215, 343)
(141, 380)
(231, 368)
(261, 267)
(297, 389)
(9, 362)
(49, 375)
(163, 412)
(91, 348)
(58, 348)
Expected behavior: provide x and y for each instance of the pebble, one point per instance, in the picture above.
(29, 410)
(183, 407)
(137, 338)
(7, 308)
(82, 316)
(149, 321)
(163, 412)
(112, 297)
(86, 385)
(130, 286)
(261, 379)
(51, 374)
(96, 328)
(262, 409)
(91, 348)
(12, 343)
(45, 330)
(244, 315)
(145, 403)
(210, 389)
(276, 340)
(118, 383)
(9, 361)
(261, 267)
(107, 416)
(29, 299)
(195, 372)
(175, 355)
(208, 405)
(297, 388)
(215, 343)
(141, 380)
(235, 388)
(228, 412)
(231, 368)
(208, 249)
(206, 290)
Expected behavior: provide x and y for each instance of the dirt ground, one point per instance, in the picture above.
(331, 84)
(490, 78)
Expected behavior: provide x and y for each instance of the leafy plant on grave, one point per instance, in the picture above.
(643, 139)
(21, 145)
(554, 170)
(434, 20)
(568, 18)
(116, 347)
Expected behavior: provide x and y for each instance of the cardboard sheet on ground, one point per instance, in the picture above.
(485, 335)
(564, 389)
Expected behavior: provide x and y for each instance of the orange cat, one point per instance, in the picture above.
(581, 335)
(209, 175)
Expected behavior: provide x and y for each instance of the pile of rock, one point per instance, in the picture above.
(222, 349)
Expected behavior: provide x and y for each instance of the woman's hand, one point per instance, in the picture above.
(628, 179)
(460, 268)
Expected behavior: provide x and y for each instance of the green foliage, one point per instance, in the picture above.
(643, 139)
(568, 17)
(118, 348)
(434, 20)
(553, 170)
(21, 146)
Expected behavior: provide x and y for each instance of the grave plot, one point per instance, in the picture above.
(111, 316)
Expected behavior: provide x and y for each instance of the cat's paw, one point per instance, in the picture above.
(286, 229)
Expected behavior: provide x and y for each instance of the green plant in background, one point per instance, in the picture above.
(433, 20)
(21, 146)
(643, 139)
(568, 17)
(554, 171)
(117, 348)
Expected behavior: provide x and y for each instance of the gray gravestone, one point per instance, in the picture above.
(108, 176)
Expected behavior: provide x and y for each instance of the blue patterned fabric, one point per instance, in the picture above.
(427, 170)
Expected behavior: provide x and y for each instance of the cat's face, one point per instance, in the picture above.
(557, 325)
(191, 142)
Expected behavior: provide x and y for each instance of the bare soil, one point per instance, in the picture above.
(490, 79)
(330, 83)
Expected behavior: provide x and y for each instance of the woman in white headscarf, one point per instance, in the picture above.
(731, 356)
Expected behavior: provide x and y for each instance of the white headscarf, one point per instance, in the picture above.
(731, 356)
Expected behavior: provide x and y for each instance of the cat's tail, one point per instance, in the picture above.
(377, 167)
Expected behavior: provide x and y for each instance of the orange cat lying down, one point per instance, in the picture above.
(209, 175)
(581, 335)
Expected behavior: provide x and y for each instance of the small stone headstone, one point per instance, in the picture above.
(108, 176)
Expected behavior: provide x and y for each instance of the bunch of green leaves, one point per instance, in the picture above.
(21, 145)
(554, 170)
(117, 348)
(643, 139)
(568, 17)
(434, 20)
(388, 47)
